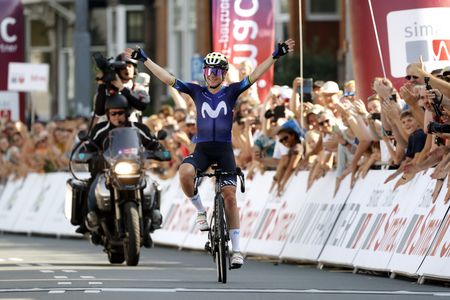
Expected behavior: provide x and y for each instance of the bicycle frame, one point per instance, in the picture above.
(218, 236)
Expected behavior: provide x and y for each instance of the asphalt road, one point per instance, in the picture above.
(50, 268)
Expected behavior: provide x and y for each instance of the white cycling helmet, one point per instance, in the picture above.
(216, 60)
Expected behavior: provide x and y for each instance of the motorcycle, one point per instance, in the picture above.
(127, 198)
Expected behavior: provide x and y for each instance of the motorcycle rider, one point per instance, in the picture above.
(117, 112)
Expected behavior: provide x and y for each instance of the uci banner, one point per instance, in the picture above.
(244, 30)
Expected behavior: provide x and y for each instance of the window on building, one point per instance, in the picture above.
(182, 26)
(281, 19)
(322, 10)
(135, 26)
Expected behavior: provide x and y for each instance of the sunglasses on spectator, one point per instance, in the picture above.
(283, 139)
(349, 94)
(324, 122)
(214, 71)
(116, 113)
(409, 77)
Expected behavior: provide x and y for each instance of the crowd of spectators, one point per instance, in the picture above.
(332, 130)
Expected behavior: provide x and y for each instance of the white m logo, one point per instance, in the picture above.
(213, 113)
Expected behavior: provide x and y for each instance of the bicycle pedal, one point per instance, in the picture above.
(235, 267)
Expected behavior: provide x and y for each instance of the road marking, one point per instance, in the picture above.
(57, 292)
(87, 277)
(15, 259)
(95, 282)
(64, 282)
(60, 277)
(259, 291)
(69, 271)
(46, 271)
(92, 291)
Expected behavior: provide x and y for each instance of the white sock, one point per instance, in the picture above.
(198, 203)
(235, 238)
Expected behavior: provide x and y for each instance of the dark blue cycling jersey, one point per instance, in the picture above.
(214, 111)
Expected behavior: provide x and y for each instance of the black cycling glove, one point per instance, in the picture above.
(139, 54)
(280, 50)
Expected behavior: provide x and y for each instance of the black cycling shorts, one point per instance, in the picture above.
(208, 153)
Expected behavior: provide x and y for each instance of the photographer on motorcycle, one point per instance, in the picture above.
(123, 84)
(117, 112)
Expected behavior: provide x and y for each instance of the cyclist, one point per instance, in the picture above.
(214, 103)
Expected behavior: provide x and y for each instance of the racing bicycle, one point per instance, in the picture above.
(218, 236)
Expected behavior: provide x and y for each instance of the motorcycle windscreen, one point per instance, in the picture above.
(123, 143)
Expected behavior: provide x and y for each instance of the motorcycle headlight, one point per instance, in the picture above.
(126, 168)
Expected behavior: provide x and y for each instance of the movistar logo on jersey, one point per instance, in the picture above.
(213, 113)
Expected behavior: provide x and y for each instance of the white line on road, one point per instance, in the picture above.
(69, 271)
(87, 277)
(64, 283)
(261, 291)
(46, 271)
(56, 292)
(60, 277)
(15, 259)
(92, 291)
(95, 282)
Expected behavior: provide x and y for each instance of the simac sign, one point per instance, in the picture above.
(415, 32)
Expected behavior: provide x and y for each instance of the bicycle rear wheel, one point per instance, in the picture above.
(221, 250)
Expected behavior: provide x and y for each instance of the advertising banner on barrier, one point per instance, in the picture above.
(277, 218)
(177, 215)
(36, 207)
(14, 198)
(196, 239)
(437, 261)
(358, 219)
(390, 212)
(422, 226)
(316, 218)
(256, 196)
(55, 221)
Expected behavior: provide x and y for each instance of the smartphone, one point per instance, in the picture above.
(307, 89)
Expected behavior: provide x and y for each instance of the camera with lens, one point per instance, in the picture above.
(375, 116)
(108, 67)
(435, 103)
(434, 127)
(275, 114)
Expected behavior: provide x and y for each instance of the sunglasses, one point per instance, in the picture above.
(214, 71)
(409, 77)
(349, 94)
(116, 113)
(324, 122)
(283, 139)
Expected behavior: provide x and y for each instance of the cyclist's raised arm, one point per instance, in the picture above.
(157, 70)
(280, 50)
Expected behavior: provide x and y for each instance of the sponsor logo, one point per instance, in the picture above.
(418, 32)
(213, 113)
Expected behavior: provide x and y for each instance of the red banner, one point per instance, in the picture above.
(11, 40)
(244, 30)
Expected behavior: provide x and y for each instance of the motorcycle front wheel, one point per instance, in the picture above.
(132, 242)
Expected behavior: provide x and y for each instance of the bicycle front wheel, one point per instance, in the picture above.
(221, 242)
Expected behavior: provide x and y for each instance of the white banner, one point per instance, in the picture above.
(25, 77)
(315, 219)
(422, 226)
(9, 105)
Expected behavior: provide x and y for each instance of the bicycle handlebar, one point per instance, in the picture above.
(218, 173)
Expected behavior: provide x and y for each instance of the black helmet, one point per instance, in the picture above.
(116, 101)
(123, 57)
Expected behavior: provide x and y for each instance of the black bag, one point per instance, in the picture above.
(76, 201)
